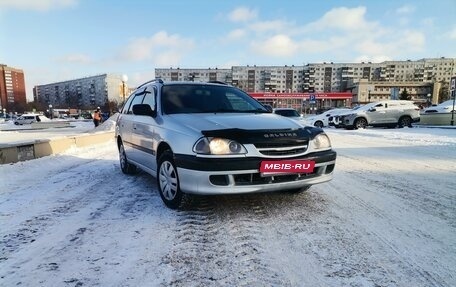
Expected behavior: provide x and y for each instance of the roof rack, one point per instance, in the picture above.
(151, 81)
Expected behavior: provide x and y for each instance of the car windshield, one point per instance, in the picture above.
(287, 113)
(202, 98)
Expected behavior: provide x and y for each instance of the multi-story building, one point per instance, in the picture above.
(197, 75)
(104, 90)
(331, 82)
(12, 90)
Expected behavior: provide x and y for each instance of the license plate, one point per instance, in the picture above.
(286, 166)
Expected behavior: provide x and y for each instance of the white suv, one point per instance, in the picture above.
(212, 138)
(390, 114)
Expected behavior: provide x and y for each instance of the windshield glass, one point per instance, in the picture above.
(202, 98)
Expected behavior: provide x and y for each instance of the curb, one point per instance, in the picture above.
(27, 150)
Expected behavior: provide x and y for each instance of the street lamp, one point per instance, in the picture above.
(124, 80)
(369, 94)
(50, 110)
(429, 99)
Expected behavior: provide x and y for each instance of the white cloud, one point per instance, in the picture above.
(373, 59)
(406, 9)
(413, 40)
(76, 58)
(276, 46)
(242, 14)
(266, 26)
(342, 18)
(40, 5)
(161, 43)
(452, 33)
(236, 34)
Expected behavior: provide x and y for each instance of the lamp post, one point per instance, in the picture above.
(124, 80)
(369, 94)
(428, 99)
(51, 112)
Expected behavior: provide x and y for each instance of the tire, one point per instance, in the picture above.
(405, 121)
(16, 123)
(360, 123)
(168, 181)
(318, 124)
(299, 190)
(125, 166)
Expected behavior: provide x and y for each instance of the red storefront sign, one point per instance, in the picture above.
(318, 96)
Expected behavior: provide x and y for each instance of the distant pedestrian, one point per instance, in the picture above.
(97, 117)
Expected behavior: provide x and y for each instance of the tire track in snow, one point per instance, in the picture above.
(399, 256)
(218, 243)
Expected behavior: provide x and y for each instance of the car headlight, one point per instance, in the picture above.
(218, 146)
(321, 141)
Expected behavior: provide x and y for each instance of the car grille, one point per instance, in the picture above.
(282, 149)
(256, 178)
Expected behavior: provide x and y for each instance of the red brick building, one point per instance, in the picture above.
(12, 89)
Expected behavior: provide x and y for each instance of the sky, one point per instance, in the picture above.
(387, 218)
(58, 40)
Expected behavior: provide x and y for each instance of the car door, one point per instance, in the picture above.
(377, 114)
(125, 124)
(144, 132)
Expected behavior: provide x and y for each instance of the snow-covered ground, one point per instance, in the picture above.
(388, 218)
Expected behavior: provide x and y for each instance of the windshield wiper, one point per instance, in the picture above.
(256, 111)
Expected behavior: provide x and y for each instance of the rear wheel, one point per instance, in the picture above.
(405, 121)
(168, 181)
(126, 167)
(360, 123)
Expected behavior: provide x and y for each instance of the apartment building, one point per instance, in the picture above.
(196, 75)
(12, 90)
(328, 82)
(83, 93)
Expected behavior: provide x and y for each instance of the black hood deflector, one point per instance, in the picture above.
(266, 135)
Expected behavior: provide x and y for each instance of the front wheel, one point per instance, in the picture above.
(168, 181)
(360, 123)
(318, 124)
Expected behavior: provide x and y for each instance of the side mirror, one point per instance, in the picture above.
(144, 110)
(372, 109)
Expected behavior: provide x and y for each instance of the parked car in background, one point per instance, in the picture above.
(289, 113)
(30, 118)
(390, 113)
(445, 107)
(323, 120)
(213, 138)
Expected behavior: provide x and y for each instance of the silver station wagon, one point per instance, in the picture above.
(213, 138)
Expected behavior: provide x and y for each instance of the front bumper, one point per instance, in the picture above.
(241, 175)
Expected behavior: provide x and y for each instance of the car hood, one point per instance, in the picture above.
(206, 122)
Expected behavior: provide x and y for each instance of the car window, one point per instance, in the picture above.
(149, 98)
(193, 98)
(137, 99)
(127, 104)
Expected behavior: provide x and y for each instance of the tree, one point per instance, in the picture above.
(405, 95)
